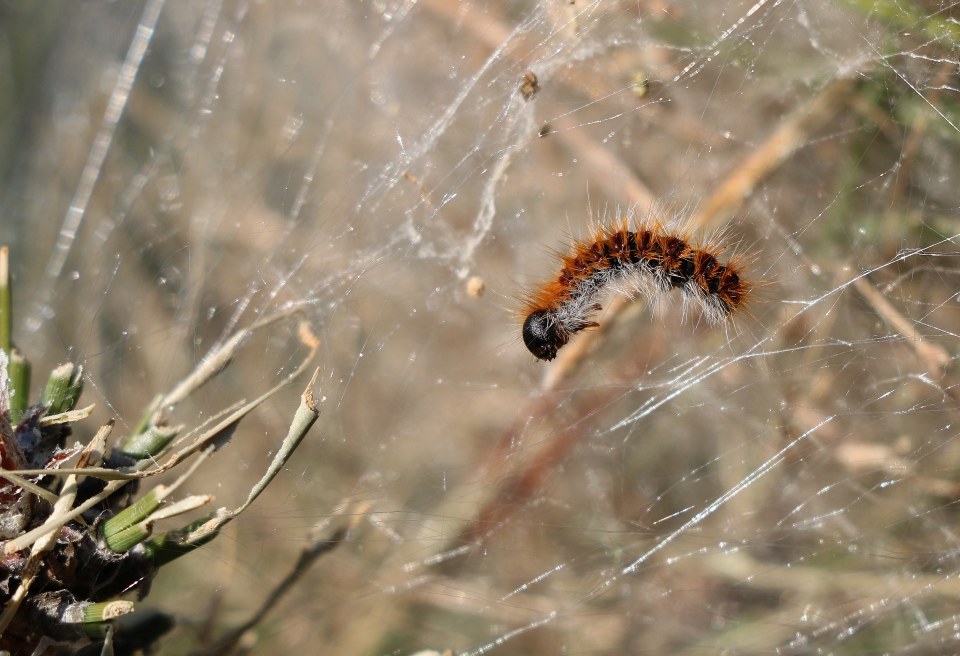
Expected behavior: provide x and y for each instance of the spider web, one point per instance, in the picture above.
(173, 171)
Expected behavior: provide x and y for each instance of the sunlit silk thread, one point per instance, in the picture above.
(647, 262)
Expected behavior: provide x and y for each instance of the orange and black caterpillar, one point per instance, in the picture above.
(648, 262)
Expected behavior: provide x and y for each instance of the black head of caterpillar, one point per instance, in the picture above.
(646, 262)
(543, 335)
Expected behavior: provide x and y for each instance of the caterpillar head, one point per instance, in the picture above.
(543, 334)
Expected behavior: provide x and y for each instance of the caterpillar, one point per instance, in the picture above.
(648, 262)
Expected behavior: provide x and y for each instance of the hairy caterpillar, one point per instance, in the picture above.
(647, 262)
